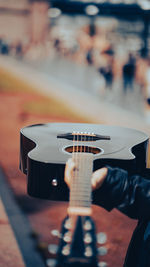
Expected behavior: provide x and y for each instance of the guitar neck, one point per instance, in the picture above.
(80, 187)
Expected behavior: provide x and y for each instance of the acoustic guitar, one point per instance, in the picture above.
(44, 150)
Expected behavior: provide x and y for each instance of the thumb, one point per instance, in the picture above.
(98, 178)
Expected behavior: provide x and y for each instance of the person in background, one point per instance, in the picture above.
(4, 48)
(108, 75)
(114, 188)
(147, 80)
(89, 56)
(128, 71)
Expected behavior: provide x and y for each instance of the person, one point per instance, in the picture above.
(129, 73)
(147, 80)
(107, 73)
(89, 56)
(130, 195)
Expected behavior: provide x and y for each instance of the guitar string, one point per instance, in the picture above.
(85, 165)
(81, 144)
(79, 178)
(85, 217)
(88, 150)
(82, 176)
(85, 185)
(80, 161)
(76, 176)
(92, 169)
(77, 171)
(79, 185)
(89, 182)
(85, 143)
(74, 187)
(73, 177)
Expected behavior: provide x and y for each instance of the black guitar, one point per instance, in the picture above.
(45, 148)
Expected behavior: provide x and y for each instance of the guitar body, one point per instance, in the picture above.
(45, 148)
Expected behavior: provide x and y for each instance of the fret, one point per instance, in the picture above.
(80, 187)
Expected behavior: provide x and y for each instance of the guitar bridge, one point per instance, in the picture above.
(83, 136)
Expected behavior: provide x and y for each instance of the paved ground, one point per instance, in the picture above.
(51, 79)
(17, 247)
(9, 250)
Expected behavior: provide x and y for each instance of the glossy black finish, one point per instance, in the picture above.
(43, 155)
(78, 246)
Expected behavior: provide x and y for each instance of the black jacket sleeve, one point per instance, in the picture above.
(129, 194)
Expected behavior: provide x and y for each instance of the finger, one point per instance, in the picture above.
(70, 165)
(98, 178)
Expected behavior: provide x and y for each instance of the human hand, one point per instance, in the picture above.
(97, 178)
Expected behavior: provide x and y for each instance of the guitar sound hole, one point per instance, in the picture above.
(83, 149)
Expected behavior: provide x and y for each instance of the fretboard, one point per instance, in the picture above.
(80, 187)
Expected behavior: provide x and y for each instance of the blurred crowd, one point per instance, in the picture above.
(88, 47)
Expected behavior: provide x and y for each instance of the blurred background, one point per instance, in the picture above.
(104, 43)
(68, 61)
